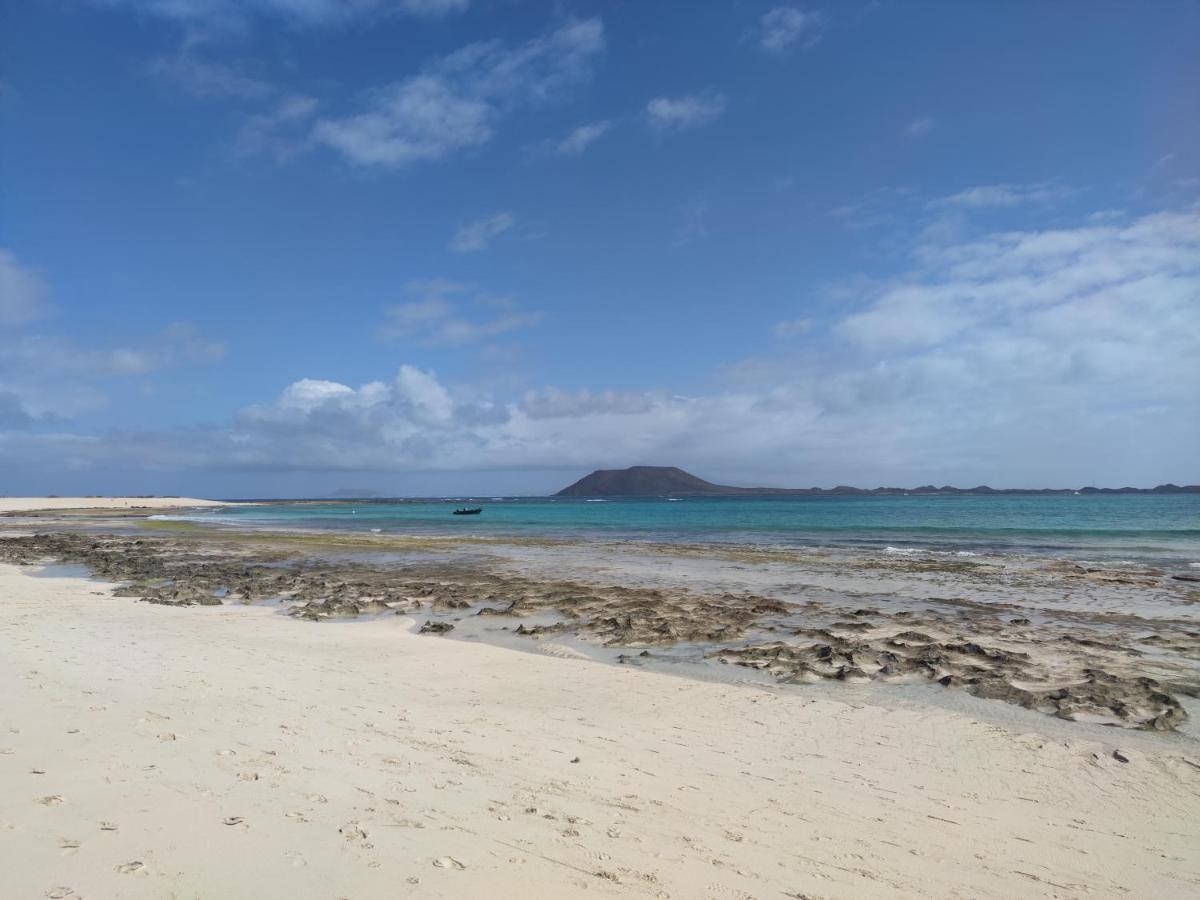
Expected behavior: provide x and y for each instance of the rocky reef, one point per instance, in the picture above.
(1122, 671)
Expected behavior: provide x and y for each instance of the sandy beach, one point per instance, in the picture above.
(184, 749)
(96, 504)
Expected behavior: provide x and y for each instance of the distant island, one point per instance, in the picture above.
(670, 481)
(354, 494)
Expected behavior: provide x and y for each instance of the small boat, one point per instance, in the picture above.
(468, 511)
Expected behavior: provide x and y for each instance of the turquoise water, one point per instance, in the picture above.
(1163, 528)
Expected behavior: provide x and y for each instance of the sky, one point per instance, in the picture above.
(424, 247)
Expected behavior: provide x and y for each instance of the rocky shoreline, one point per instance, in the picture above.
(1118, 670)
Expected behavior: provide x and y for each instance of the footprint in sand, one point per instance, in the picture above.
(717, 889)
(68, 846)
(167, 736)
(448, 862)
(131, 868)
(107, 826)
(52, 800)
(60, 893)
(235, 821)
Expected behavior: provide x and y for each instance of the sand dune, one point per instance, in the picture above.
(231, 752)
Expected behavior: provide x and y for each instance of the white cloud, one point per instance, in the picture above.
(409, 412)
(918, 128)
(22, 292)
(476, 235)
(1006, 195)
(184, 342)
(695, 223)
(406, 319)
(12, 412)
(433, 8)
(224, 15)
(207, 79)
(877, 207)
(308, 394)
(785, 26)
(1041, 356)
(437, 315)
(178, 343)
(54, 376)
(582, 137)
(792, 328)
(421, 118)
(674, 113)
(281, 132)
(553, 403)
(1029, 357)
(455, 103)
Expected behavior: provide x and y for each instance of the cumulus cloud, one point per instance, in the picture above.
(785, 26)
(476, 235)
(456, 102)
(23, 294)
(439, 314)
(677, 113)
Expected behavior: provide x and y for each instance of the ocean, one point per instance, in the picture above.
(1150, 528)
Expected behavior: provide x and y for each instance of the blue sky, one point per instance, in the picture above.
(288, 246)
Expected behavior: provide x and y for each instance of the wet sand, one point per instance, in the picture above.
(272, 722)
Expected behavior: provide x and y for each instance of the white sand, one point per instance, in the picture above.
(29, 504)
(359, 760)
